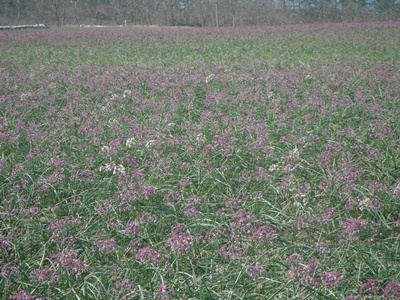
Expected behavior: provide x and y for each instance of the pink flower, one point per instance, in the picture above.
(106, 245)
(181, 241)
(392, 291)
(323, 248)
(255, 271)
(192, 212)
(264, 234)
(9, 271)
(147, 255)
(23, 295)
(208, 149)
(371, 287)
(331, 280)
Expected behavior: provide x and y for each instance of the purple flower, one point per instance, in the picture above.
(352, 298)
(162, 288)
(264, 234)
(57, 162)
(331, 280)
(106, 245)
(294, 259)
(60, 228)
(131, 228)
(231, 254)
(148, 191)
(262, 174)
(323, 248)
(147, 255)
(83, 176)
(56, 177)
(122, 287)
(44, 188)
(327, 216)
(181, 241)
(162, 292)
(45, 275)
(192, 212)
(392, 291)
(371, 287)
(23, 295)
(126, 286)
(309, 118)
(193, 199)
(68, 241)
(4, 244)
(148, 218)
(208, 149)
(255, 271)
(32, 212)
(305, 272)
(185, 182)
(9, 271)
(242, 221)
(351, 229)
(71, 263)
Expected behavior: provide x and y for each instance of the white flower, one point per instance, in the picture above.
(114, 97)
(273, 167)
(112, 167)
(201, 138)
(130, 142)
(150, 143)
(294, 154)
(52, 86)
(119, 169)
(127, 93)
(106, 168)
(304, 202)
(364, 203)
(26, 96)
(209, 78)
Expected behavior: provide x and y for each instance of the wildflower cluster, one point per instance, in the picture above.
(200, 163)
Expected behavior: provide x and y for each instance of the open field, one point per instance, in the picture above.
(246, 163)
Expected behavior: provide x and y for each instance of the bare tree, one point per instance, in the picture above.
(144, 10)
(216, 13)
(171, 10)
(118, 11)
(57, 8)
(196, 12)
(13, 10)
(75, 4)
(233, 8)
(203, 8)
(18, 4)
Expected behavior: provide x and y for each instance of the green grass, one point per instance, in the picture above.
(255, 163)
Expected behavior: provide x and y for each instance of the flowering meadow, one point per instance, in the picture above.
(187, 163)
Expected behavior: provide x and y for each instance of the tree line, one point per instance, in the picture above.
(201, 13)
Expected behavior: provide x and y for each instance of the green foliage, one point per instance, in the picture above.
(215, 164)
